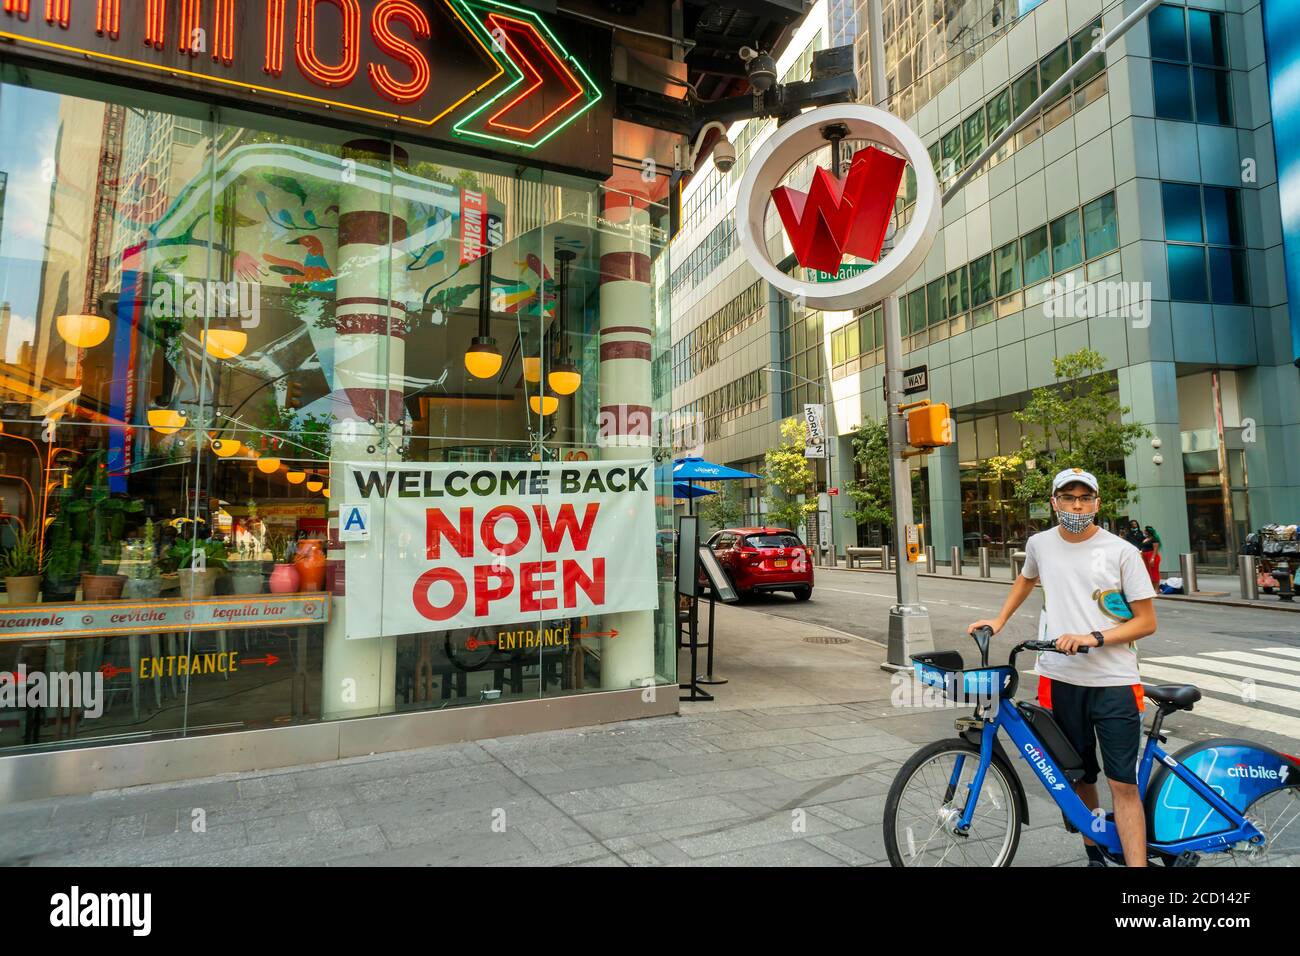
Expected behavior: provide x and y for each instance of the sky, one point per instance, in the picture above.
(28, 131)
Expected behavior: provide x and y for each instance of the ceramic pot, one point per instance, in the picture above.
(247, 582)
(195, 584)
(284, 579)
(142, 587)
(310, 562)
(24, 590)
(102, 587)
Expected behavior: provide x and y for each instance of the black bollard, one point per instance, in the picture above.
(1285, 583)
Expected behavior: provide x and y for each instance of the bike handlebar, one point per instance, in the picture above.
(1047, 646)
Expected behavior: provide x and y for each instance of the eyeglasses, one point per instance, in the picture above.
(1071, 499)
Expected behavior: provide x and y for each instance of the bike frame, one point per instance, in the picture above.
(1101, 830)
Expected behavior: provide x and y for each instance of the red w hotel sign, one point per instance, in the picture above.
(838, 217)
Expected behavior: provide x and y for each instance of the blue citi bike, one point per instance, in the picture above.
(960, 802)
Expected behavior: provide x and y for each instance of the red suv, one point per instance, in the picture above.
(765, 559)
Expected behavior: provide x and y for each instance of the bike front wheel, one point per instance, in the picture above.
(927, 801)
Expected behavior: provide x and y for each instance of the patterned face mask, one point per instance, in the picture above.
(1074, 523)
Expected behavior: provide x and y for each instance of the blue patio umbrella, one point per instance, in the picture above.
(682, 489)
(697, 469)
(690, 469)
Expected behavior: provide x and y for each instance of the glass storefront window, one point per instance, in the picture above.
(216, 319)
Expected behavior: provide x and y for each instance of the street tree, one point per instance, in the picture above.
(1076, 423)
(725, 509)
(789, 475)
(872, 492)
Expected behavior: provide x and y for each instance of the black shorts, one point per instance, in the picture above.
(1088, 715)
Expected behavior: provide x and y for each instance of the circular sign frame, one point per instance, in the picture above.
(791, 143)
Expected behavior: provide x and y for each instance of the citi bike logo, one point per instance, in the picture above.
(1036, 757)
(1244, 772)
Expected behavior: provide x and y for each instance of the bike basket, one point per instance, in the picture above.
(947, 670)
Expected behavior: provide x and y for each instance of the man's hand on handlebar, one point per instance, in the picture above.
(994, 626)
(1075, 643)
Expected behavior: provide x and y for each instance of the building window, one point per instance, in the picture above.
(1007, 266)
(1205, 244)
(1067, 242)
(1189, 65)
(1036, 256)
(1100, 226)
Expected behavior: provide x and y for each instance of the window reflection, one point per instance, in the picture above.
(204, 314)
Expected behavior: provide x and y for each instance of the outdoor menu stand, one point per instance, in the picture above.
(688, 619)
(719, 587)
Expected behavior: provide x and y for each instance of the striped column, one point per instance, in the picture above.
(626, 398)
(369, 365)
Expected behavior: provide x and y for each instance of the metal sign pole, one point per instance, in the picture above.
(909, 621)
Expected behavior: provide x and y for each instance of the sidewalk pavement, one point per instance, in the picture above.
(790, 765)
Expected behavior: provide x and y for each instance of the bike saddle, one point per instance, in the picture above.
(1180, 696)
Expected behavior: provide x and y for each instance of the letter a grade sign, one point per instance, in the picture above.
(840, 217)
(354, 523)
(458, 546)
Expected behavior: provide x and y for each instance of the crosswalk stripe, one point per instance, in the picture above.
(1255, 659)
(1288, 651)
(1223, 685)
(1222, 667)
(1248, 718)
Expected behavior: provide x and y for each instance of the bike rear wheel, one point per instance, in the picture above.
(1277, 815)
(924, 806)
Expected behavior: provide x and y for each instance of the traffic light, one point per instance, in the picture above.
(292, 394)
(930, 426)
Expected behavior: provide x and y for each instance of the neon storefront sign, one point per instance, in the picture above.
(477, 70)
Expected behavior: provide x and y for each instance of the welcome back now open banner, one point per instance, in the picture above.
(457, 545)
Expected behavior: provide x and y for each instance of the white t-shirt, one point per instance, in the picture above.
(1082, 587)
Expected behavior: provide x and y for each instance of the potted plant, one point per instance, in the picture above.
(139, 567)
(198, 577)
(88, 518)
(21, 568)
(246, 568)
(284, 576)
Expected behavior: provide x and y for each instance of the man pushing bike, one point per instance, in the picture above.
(1096, 595)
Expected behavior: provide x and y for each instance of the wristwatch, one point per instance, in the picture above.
(1101, 640)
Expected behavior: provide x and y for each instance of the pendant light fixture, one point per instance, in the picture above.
(483, 360)
(268, 466)
(295, 477)
(165, 421)
(544, 402)
(224, 343)
(564, 378)
(82, 331)
(226, 447)
(314, 485)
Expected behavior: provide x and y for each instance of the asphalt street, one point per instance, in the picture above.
(1246, 661)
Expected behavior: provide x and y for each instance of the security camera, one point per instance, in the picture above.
(724, 155)
(747, 53)
(761, 70)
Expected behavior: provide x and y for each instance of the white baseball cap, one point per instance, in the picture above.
(1069, 475)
